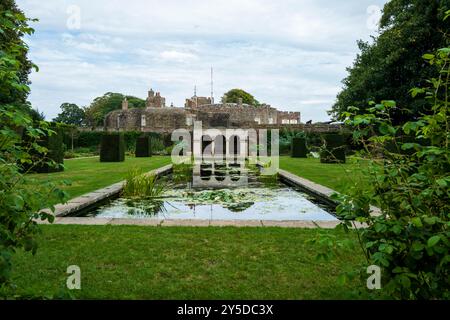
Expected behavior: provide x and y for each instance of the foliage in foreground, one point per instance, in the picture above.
(410, 239)
(20, 199)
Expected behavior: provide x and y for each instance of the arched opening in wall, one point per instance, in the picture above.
(235, 147)
(220, 147)
(206, 147)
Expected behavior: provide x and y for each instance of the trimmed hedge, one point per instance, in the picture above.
(298, 148)
(112, 148)
(92, 139)
(54, 145)
(143, 147)
(334, 149)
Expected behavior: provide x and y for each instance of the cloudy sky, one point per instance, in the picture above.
(291, 54)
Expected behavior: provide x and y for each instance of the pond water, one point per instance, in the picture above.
(219, 192)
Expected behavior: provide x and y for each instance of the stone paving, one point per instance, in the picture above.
(195, 223)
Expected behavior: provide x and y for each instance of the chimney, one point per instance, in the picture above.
(125, 104)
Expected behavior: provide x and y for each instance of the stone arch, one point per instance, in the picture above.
(207, 146)
(220, 147)
(234, 146)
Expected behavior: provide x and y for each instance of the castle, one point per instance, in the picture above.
(157, 117)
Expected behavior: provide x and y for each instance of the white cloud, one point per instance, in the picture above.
(172, 55)
(291, 53)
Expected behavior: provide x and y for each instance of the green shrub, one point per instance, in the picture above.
(299, 149)
(333, 150)
(92, 139)
(112, 148)
(88, 139)
(53, 159)
(143, 147)
(157, 144)
(410, 238)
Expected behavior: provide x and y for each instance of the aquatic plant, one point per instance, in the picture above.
(139, 184)
(235, 200)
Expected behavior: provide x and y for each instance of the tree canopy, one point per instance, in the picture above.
(19, 67)
(233, 95)
(71, 114)
(393, 64)
(101, 106)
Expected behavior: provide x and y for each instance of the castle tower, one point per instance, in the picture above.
(154, 100)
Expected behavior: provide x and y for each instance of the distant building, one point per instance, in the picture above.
(159, 118)
(155, 100)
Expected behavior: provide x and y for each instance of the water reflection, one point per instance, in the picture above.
(215, 175)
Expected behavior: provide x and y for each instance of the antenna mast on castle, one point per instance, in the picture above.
(195, 96)
(212, 86)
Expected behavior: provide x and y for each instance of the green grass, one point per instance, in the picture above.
(90, 174)
(335, 176)
(131, 262)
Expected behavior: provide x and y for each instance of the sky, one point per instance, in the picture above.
(291, 54)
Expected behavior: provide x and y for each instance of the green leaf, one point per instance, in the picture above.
(389, 103)
(444, 182)
(433, 241)
(417, 222)
(407, 146)
(387, 129)
(417, 246)
(428, 56)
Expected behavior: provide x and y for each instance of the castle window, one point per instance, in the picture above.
(270, 120)
(189, 121)
(143, 121)
(293, 122)
(285, 121)
(258, 120)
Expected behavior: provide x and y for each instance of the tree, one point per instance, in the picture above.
(110, 101)
(409, 238)
(389, 67)
(71, 114)
(233, 96)
(10, 39)
(21, 197)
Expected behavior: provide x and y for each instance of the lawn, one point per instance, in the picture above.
(131, 262)
(335, 176)
(90, 174)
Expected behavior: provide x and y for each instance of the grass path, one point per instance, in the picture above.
(335, 176)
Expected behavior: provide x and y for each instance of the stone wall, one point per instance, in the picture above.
(263, 114)
(288, 117)
(196, 101)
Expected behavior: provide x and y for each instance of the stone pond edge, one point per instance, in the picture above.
(86, 201)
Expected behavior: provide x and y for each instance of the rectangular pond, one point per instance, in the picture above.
(219, 192)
